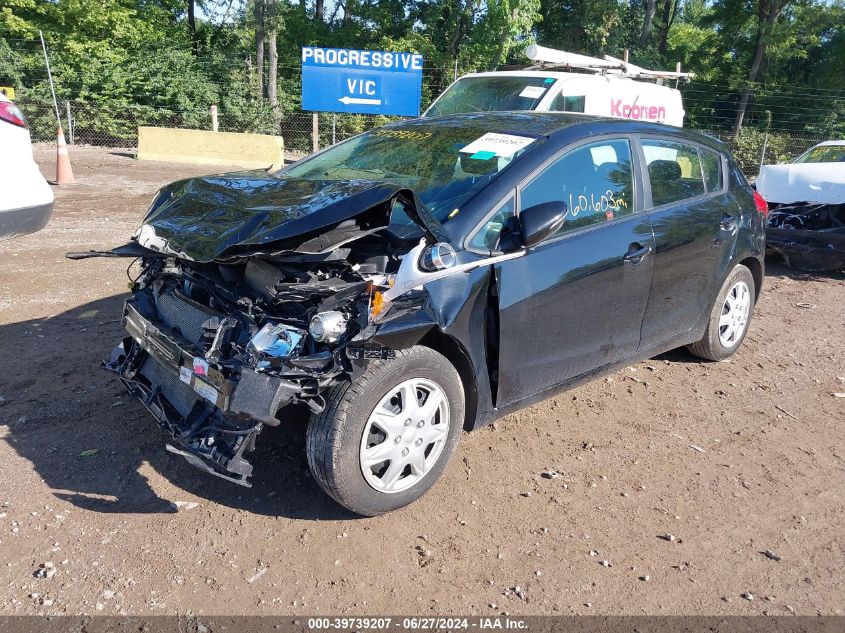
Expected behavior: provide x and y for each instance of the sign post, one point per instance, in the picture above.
(361, 82)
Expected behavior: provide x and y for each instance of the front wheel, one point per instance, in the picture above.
(385, 437)
(730, 317)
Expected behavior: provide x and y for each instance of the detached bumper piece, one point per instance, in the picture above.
(203, 436)
(213, 419)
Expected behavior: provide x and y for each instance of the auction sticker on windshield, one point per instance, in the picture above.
(532, 92)
(492, 144)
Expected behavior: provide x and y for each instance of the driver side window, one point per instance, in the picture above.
(594, 181)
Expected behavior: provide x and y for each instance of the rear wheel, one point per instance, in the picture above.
(385, 437)
(729, 317)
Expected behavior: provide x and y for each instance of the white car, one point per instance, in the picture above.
(817, 176)
(806, 198)
(26, 200)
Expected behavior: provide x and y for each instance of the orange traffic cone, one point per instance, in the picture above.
(64, 173)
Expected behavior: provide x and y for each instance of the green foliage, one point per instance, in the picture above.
(752, 147)
(127, 62)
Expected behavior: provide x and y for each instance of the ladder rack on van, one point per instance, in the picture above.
(551, 58)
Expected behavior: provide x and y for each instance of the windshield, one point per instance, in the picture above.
(823, 154)
(427, 159)
(491, 94)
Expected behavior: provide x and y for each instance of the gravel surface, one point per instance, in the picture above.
(565, 507)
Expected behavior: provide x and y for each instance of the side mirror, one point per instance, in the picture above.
(540, 221)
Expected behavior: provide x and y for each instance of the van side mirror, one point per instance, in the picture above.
(540, 221)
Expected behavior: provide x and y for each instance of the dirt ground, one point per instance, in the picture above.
(732, 459)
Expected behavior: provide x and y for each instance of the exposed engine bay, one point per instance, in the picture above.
(215, 350)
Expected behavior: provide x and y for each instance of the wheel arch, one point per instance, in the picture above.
(753, 264)
(455, 353)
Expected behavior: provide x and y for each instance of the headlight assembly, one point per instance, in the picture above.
(438, 256)
(327, 327)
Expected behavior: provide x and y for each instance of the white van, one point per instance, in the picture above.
(610, 91)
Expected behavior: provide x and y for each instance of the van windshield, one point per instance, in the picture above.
(492, 94)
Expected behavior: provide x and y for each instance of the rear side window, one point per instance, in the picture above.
(594, 181)
(711, 163)
(674, 170)
(568, 103)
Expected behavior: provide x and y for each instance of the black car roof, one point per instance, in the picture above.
(535, 123)
(549, 124)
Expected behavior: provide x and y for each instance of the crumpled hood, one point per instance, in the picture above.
(822, 183)
(232, 214)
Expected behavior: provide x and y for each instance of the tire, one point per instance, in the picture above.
(714, 346)
(335, 442)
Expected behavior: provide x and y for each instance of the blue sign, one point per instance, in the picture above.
(361, 82)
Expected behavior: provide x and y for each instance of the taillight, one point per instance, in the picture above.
(12, 113)
(762, 205)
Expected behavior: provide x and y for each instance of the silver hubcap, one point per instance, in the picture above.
(404, 435)
(734, 316)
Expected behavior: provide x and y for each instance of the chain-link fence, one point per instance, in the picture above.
(84, 123)
(752, 148)
(114, 122)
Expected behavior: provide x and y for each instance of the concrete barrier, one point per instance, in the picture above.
(210, 148)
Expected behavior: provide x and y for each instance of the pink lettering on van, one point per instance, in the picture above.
(634, 111)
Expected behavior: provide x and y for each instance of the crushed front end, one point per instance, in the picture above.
(257, 292)
(808, 236)
(214, 351)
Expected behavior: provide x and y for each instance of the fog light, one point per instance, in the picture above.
(439, 256)
(327, 327)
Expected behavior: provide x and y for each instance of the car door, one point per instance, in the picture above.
(575, 302)
(694, 221)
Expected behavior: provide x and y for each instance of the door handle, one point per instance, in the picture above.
(636, 253)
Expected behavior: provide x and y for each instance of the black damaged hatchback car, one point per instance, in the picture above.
(426, 278)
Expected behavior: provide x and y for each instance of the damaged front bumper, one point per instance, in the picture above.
(822, 251)
(213, 419)
(808, 236)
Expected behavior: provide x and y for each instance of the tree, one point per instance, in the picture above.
(582, 26)
(767, 13)
(670, 10)
(648, 21)
(259, 45)
(192, 25)
(511, 22)
(129, 62)
(272, 18)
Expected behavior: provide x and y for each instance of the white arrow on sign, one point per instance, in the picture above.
(348, 100)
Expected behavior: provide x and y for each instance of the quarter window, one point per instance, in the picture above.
(674, 170)
(711, 162)
(487, 237)
(594, 181)
(568, 103)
